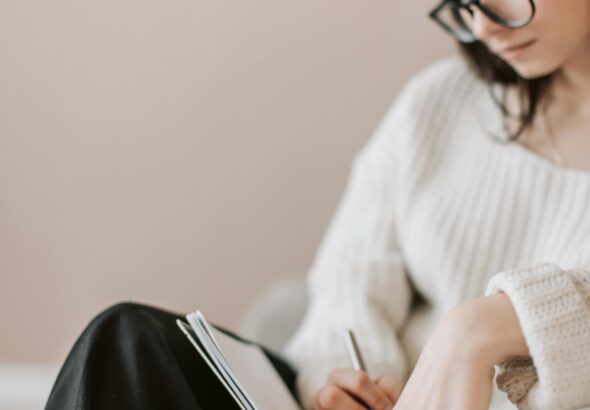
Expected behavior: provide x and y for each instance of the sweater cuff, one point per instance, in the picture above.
(554, 320)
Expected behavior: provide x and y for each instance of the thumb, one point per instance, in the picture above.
(391, 386)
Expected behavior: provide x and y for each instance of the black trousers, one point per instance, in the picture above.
(133, 356)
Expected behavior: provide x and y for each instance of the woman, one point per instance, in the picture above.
(462, 242)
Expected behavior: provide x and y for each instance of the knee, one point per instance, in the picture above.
(131, 319)
(122, 309)
(122, 314)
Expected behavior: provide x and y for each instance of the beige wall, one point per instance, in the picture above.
(180, 153)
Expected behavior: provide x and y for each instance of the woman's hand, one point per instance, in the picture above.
(349, 388)
(456, 367)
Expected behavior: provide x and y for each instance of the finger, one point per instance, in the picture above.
(392, 386)
(360, 385)
(333, 397)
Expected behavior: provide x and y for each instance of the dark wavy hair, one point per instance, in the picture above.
(492, 69)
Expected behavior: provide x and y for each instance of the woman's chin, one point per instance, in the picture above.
(530, 70)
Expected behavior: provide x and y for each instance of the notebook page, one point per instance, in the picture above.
(207, 336)
(219, 361)
(185, 329)
(203, 322)
(256, 373)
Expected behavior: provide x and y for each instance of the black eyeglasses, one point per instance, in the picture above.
(457, 18)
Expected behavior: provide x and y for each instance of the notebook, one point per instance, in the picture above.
(243, 368)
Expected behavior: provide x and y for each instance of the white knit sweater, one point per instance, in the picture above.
(434, 207)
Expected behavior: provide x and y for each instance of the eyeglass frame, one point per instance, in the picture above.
(434, 15)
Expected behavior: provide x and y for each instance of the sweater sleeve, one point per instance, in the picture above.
(357, 279)
(553, 307)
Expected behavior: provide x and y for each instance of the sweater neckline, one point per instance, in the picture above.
(528, 154)
(547, 163)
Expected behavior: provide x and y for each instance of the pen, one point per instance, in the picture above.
(354, 353)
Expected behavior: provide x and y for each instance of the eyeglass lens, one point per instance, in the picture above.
(461, 21)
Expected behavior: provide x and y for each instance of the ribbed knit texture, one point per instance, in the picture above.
(436, 210)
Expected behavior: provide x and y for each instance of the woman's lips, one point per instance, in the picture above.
(515, 51)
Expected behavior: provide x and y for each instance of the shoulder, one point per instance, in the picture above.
(429, 93)
(441, 81)
(444, 68)
(427, 103)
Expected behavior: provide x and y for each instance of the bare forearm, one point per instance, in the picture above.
(492, 328)
(456, 366)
